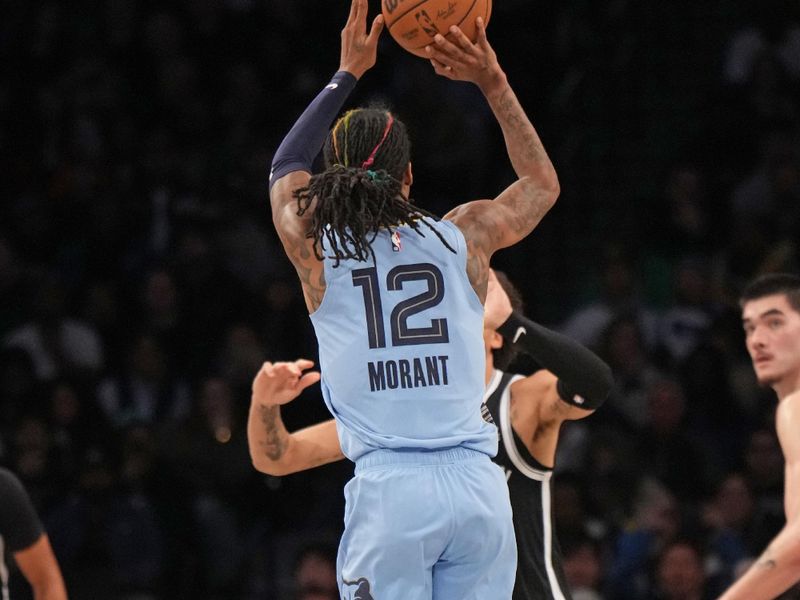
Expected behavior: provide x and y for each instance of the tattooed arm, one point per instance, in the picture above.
(273, 449)
(779, 567)
(490, 225)
(291, 164)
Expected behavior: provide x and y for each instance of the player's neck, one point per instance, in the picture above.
(489, 367)
(787, 385)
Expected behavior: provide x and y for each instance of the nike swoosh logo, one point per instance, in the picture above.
(520, 332)
(331, 86)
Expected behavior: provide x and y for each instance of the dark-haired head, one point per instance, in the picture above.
(369, 138)
(364, 187)
(773, 284)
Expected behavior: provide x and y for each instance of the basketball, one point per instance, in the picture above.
(413, 24)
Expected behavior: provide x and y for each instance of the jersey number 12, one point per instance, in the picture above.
(402, 334)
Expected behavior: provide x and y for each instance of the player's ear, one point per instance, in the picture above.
(495, 341)
(408, 175)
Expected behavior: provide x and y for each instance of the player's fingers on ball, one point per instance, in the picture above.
(355, 11)
(377, 27)
(481, 29)
(449, 48)
(441, 58)
(460, 37)
(361, 13)
(441, 69)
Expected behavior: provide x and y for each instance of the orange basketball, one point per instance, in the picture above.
(413, 23)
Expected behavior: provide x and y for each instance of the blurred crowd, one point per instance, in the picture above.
(142, 284)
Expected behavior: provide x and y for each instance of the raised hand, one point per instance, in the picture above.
(282, 382)
(359, 48)
(465, 61)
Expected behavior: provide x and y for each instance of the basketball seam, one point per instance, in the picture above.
(408, 11)
(466, 14)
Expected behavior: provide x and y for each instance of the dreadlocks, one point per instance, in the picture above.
(359, 193)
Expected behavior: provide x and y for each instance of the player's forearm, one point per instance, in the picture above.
(267, 438)
(53, 590)
(305, 139)
(774, 572)
(525, 149)
(579, 370)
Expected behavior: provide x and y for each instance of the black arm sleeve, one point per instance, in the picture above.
(583, 378)
(19, 524)
(305, 139)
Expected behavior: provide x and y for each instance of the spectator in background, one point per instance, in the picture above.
(242, 355)
(685, 323)
(770, 192)
(159, 311)
(314, 573)
(19, 387)
(33, 460)
(623, 348)
(22, 534)
(58, 344)
(729, 517)
(13, 287)
(683, 222)
(656, 523)
(680, 574)
(208, 455)
(762, 59)
(666, 449)
(571, 518)
(618, 297)
(583, 568)
(147, 390)
(764, 472)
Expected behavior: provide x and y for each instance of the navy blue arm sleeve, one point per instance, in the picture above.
(584, 379)
(19, 524)
(301, 145)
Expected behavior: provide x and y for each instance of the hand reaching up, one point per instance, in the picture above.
(282, 382)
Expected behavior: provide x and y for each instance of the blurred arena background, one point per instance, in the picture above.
(142, 284)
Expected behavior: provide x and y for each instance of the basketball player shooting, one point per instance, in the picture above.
(529, 411)
(398, 317)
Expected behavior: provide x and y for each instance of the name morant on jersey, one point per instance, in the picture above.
(407, 373)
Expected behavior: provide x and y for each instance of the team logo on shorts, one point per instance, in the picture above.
(357, 590)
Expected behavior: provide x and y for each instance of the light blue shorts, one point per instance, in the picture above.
(427, 525)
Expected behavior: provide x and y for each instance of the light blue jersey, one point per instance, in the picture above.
(401, 346)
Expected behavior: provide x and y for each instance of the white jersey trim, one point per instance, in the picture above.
(532, 473)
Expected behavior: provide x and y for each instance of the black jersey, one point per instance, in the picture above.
(540, 575)
(20, 528)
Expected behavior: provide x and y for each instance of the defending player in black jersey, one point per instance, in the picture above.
(23, 538)
(528, 411)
